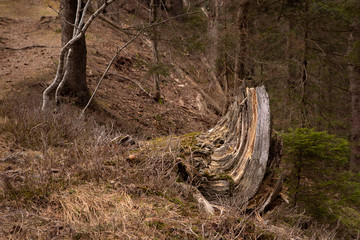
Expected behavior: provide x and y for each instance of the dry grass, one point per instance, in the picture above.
(105, 213)
(62, 177)
(66, 179)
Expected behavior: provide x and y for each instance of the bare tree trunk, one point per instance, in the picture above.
(74, 84)
(80, 28)
(354, 77)
(240, 71)
(291, 113)
(226, 70)
(289, 83)
(304, 75)
(176, 7)
(213, 54)
(214, 35)
(154, 8)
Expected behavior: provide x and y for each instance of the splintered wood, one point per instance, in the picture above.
(231, 159)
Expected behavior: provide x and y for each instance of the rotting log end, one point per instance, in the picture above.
(233, 158)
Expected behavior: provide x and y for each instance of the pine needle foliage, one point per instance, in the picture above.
(319, 181)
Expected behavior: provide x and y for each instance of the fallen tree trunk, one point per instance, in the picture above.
(236, 159)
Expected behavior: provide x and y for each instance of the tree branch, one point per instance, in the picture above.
(60, 70)
(123, 47)
(76, 25)
(138, 84)
(26, 48)
(71, 24)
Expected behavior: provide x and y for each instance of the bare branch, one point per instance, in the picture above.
(71, 24)
(96, 13)
(60, 70)
(124, 46)
(26, 48)
(76, 25)
(108, 67)
(138, 84)
(83, 14)
(65, 76)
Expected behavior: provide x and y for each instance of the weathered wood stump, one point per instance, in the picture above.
(236, 158)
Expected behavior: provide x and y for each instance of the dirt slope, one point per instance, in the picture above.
(29, 47)
(63, 178)
(33, 170)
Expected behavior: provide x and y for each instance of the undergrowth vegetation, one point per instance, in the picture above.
(75, 179)
(66, 177)
(320, 181)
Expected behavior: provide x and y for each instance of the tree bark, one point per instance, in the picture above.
(176, 7)
(213, 53)
(231, 159)
(354, 77)
(214, 35)
(290, 81)
(75, 80)
(226, 69)
(241, 55)
(304, 75)
(154, 10)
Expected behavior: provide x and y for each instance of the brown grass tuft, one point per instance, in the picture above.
(65, 178)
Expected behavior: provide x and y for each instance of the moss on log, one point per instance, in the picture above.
(236, 159)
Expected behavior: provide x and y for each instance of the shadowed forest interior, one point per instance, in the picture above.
(179, 119)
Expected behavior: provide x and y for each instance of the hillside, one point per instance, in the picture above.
(131, 110)
(63, 177)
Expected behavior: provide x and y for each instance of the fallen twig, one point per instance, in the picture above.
(138, 84)
(26, 48)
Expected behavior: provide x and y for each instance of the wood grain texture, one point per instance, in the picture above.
(231, 159)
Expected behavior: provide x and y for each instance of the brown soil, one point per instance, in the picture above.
(29, 47)
(30, 36)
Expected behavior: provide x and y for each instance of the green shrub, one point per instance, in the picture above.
(319, 181)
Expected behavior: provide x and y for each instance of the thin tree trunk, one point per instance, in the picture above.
(240, 72)
(354, 77)
(291, 74)
(154, 8)
(214, 35)
(63, 63)
(304, 77)
(226, 71)
(213, 54)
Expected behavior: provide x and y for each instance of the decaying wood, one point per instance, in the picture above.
(232, 159)
(203, 203)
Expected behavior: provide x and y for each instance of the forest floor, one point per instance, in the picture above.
(30, 44)
(63, 178)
